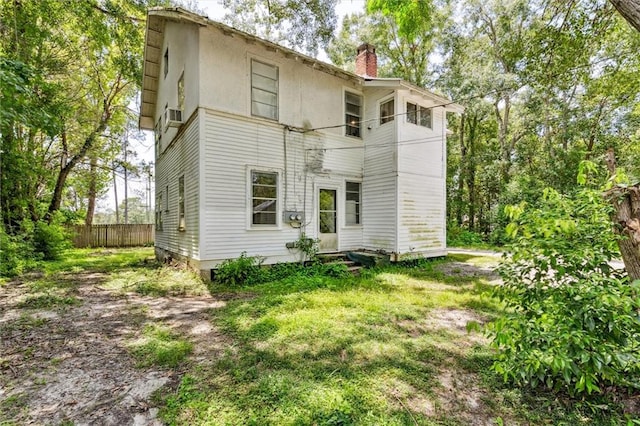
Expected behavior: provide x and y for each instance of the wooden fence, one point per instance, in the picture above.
(132, 235)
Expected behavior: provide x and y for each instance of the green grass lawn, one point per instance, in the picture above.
(397, 346)
(400, 345)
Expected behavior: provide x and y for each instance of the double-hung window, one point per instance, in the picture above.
(182, 223)
(353, 202)
(425, 117)
(264, 90)
(387, 111)
(419, 115)
(165, 62)
(159, 212)
(353, 114)
(412, 113)
(181, 93)
(264, 198)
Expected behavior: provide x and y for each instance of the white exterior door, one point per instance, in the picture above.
(328, 219)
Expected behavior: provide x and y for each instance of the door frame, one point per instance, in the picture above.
(330, 187)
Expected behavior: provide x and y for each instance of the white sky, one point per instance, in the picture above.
(145, 150)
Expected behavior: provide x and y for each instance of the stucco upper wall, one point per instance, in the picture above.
(307, 97)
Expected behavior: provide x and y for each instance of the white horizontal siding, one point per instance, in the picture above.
(180, 158)
(235, 144)
(422, 214)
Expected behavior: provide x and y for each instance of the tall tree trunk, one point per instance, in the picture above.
(91, 204)
(626, 220)
(630, 10)
(115, 194)
(67, 167)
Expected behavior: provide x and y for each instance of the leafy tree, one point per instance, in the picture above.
(299, 24)
(571, 322)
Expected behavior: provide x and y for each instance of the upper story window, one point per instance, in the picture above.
(165, 62)
(264, 198)
(181, 93)
(264, 90)
(419, 115)
(353, 114)
(387, 111)
(425, 117)
(157, 132)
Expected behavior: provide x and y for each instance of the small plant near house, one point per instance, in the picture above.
(243, 270)
(308, 247)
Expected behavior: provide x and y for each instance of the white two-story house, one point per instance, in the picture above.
(257, 144)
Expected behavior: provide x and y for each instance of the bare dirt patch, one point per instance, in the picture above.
(71, 363)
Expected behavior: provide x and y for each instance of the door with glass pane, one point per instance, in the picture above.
(328, 220)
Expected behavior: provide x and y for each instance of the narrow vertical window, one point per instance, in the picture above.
(159, 212)
(181, 218)
(166, 198)
(412, 113)
(181, 93)
(387, 111)
(353, 202)
(157, 132)
(425, 117)
(264, 198)
(165, 62)
(353, 114)
(264, 90)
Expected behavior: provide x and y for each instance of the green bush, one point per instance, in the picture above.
(243, 270)
(15, 255)
(460, 237)
(50, 240)
(571, 321)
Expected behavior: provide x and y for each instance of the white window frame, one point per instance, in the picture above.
(389, 118)
(180, 94)
(344, 114)
(249, 198)
(182, 201)
(359, 214)
(418, 115)
(430, 124)
(165, 61)
(159, 220)
(251, 87)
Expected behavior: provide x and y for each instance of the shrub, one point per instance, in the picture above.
(571, 321)
(245, 269)
(16, 254)
(460, 237)
(50, 240)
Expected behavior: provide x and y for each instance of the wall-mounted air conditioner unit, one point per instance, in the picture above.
(172, 118)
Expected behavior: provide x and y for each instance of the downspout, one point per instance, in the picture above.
(285, 129)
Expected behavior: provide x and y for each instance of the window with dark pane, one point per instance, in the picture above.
(166, 62)
(352, 205)
(328, 211)
(353, 114)
(264, 90)
(425, 117)
(387, 113)
(412, 113)
(181, 214)
(264, 198)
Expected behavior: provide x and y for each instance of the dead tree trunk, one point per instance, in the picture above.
(626, 220)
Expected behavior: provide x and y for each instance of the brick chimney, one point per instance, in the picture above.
(367, 61)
